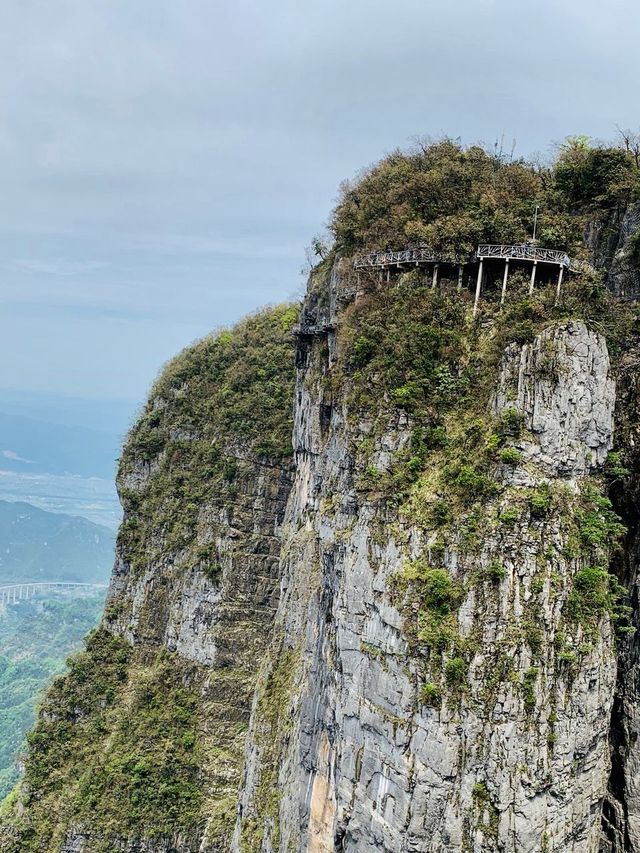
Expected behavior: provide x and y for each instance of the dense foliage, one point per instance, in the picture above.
(146, 778)
(451, 198)
(45, 546)
(36, 637)
(226, 399)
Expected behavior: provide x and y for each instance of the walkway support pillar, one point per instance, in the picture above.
(478, 287)
(533, 277)
(504, 281)
(559, 285)
(388, 276)
(460, 276)
(434, 279)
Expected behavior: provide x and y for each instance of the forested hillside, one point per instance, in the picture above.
(36, 637)
(36, 545)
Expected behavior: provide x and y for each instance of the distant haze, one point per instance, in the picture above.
(164, 164)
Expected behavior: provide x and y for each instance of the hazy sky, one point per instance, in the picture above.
(164, 164)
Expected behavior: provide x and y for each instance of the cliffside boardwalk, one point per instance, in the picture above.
(24, 591)
(522, 253)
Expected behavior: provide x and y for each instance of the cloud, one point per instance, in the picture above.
(164, 164)
(10, 454)
(58, 266)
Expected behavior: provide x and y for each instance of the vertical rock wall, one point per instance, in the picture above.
(516, 761)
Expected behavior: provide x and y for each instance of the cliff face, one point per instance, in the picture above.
(141, 746)
(449, 671)
(408, 630)
(404, 639)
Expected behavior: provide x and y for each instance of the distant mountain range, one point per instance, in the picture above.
(32, 446)
(36, 545)
(60, 453)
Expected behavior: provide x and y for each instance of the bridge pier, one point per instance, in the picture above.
(476, 301)
(504, 281)
(533, 277)
(434, 278)
(559, 284)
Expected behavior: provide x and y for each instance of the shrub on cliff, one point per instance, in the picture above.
(451, 198)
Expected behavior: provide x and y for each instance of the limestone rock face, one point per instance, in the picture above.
(328, 718)
(363, 764)
(562, 384)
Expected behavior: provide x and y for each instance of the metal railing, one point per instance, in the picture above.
(424, 254)
(523, 252)
(387, 259)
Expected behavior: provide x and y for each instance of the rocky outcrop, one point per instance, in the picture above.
(322, 662)
(148, 729)
(562, 385)
(516, 760)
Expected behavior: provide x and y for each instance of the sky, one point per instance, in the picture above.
(164, 163)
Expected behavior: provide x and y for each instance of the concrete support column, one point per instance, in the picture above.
(504, 281)
(533, 277)
(559, 285)
(460, 271)
(388, 276)
(478, 287)
(434, 279)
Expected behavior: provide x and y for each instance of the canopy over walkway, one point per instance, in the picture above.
(25, 591)
(518, 253)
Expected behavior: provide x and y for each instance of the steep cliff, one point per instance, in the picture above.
(412, 630)
(140, 747)
(445, 650)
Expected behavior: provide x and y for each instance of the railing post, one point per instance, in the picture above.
(478, 288)
(504, 281)
(559, 285)
(533, 278)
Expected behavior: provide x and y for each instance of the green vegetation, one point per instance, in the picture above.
(231, 390)
(36, 637)
(495, 571)
(510, 456)
(487, 812)
(597, 593)
(509, 516)
(599, 526)
(452, 198)
(145, 780)
(273, 699)
(455, 671)
(138, 743)
(430, 694)
(529, 682)
(540, 501)
(46, 546)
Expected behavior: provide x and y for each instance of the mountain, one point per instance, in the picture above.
(60, 453)
(376, 585)
(40, 546)
(33, 446)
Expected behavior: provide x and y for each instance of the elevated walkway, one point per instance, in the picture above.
(423, 257)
